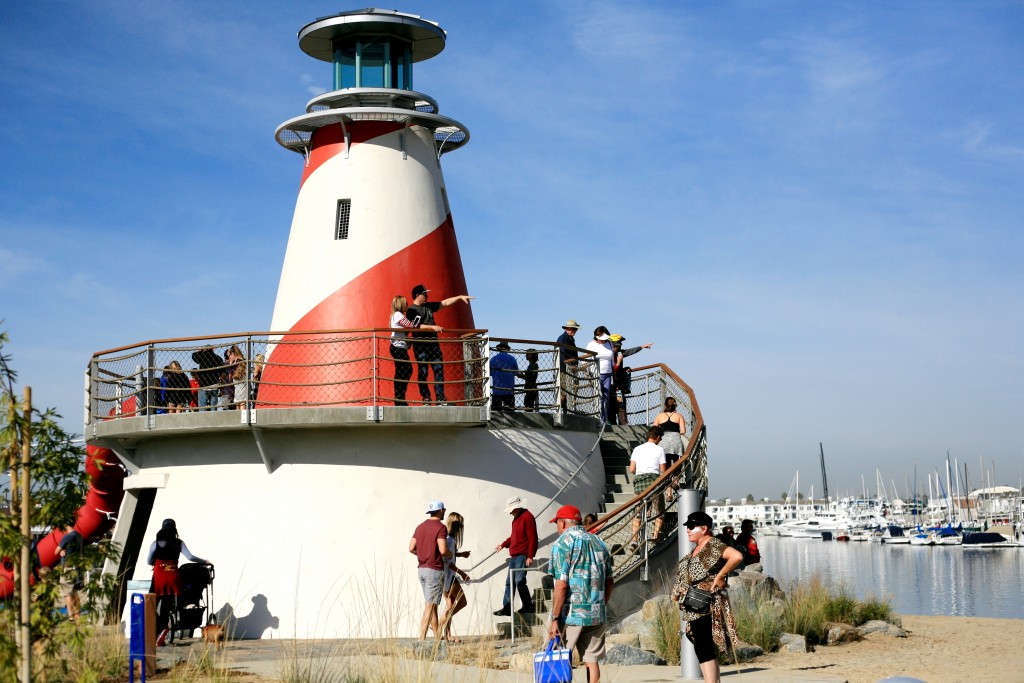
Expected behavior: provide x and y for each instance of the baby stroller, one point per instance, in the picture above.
(194, 602)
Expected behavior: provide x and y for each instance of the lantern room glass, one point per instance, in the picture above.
(373, 64)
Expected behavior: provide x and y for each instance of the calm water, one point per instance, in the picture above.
(918, 579)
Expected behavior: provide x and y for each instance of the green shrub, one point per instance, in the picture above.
(758, 621)
(666, 632)
(872, 609)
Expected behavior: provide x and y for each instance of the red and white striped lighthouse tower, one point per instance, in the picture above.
(372, 218)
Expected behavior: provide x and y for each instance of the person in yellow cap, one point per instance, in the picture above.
(620, 376)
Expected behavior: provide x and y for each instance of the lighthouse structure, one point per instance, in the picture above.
(372, 218)
(306, 504)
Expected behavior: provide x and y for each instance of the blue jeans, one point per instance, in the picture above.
(517, 562)
(606, 395)
(208, 398)
(429, 355)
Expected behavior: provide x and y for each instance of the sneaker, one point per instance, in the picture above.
(525, 610)
(161, 639)
(503, 612)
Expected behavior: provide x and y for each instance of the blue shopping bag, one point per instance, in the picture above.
(552, 666)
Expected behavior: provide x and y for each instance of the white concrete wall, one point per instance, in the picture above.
(324, 539)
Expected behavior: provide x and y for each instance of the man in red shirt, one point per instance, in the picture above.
(430, 546)
(522, 546)
(746, 543)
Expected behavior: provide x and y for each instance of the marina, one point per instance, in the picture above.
(937, 580)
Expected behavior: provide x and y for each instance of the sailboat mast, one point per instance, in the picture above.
(824, 477)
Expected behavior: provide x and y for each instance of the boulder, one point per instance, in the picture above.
(755, 584)
(635, 624)
(631, 639)
(521, 661)
(430, 649)
(745, 652)
(653, 607)
(758, 567)
(841, 633)
(793, 642)
(879, 626)
(624, 655)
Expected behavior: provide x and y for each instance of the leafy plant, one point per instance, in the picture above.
(58, 487)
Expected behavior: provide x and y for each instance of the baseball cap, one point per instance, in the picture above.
(434, 506)
(419, 289)
(568, 512)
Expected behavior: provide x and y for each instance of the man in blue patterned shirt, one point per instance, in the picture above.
(582, 567)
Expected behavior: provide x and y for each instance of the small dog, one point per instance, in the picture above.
(214, 634)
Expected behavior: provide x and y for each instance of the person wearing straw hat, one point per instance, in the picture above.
(522, 547)
(567, 355)
(582, 568)
(504, 369)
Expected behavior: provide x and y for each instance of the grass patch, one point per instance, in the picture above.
(665, 632)
(806, 610)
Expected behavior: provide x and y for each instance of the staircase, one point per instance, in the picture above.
(616, 447)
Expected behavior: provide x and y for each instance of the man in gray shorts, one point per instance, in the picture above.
(582, 568)
(430, 546)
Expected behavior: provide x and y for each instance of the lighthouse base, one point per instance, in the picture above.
(316, 546)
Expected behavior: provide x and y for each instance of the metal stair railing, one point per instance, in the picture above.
(632, 545)
(631, 550)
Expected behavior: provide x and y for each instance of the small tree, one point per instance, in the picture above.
(749, 499)
(59, 484)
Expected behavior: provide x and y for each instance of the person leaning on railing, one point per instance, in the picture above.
(425, 347)
(399, 346)
(567, 354)
(208, 376)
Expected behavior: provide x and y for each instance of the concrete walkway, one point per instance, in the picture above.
(271, 658)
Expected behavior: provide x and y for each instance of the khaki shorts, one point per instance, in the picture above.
(431, 581)
(588, 641)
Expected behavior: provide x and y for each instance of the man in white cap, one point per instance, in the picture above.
(567, 354)
(430, 546)
(522, 547)
(582, 568)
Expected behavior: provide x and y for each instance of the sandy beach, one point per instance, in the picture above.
(937, 650)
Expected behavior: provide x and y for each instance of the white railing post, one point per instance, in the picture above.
(689, 668)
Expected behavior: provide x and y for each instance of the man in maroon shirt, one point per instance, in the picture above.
(522, 546)
(430, 546)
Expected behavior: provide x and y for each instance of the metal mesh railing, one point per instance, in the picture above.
(335, 368)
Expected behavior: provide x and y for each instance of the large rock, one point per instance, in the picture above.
(652, 608)
(841, 633)
(624, 655)
(431, 649)
(635, 624)
(631, 639)
(879, 626)
(793, 642)
(746, 652)
(755, 584)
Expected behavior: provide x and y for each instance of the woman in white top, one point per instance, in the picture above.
(399, 346)
(605, 362)
(455, 597)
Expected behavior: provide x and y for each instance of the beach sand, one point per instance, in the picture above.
(937, 650)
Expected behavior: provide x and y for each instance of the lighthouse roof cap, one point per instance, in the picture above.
(317, 38)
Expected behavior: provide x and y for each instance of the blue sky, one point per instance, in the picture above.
(812, 209)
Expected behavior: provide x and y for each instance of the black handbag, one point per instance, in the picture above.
(697, 600)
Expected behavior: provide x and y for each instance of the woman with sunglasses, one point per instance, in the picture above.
(707, 567)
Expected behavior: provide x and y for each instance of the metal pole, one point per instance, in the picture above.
(690, 500)
(26, 543)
